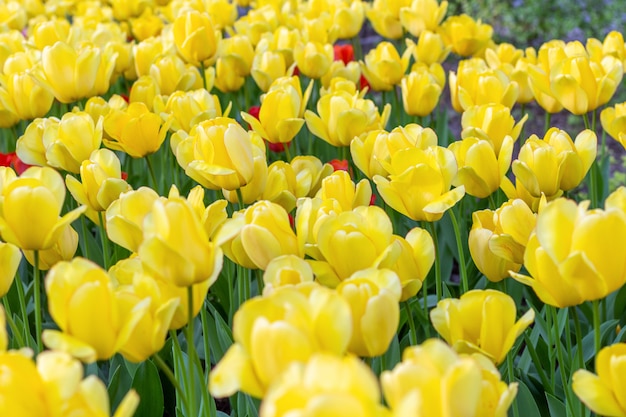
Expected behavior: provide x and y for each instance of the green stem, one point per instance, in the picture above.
(203, 75)
(191, 352)
(205, 341)
(152, 175)
(509, 367)
(22, 299)
(596, 326)
(160, 363)
(240, 202)
(83, 224)
(412, 330)
(547, 121)
(12, 325)
(538, 364)
(459, 246)
(492, 203)
(568, 339)
(287, 152)
(559, 352)
(38, 312)
(579, 349)
(549, 325)
(586, 121)
(105, 241)
(438, 283)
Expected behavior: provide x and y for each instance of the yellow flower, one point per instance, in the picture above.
(186, 109)
(22, 390)
(31, 209)
(614, 122)
(574, 254)
(430, 48)
(10, 258)
(602, 392)
(492, 122)
(270, 333)
(195, 37)
(480, 169)
(349, 17)
(286, 270)
(384, 15)
(313, 58)
(556, 163)
(144, 90)
(135, 130)
(267, 66)
(171, 74)
(82, 302)
(423, 15)
(498, 238)
(373, 295)
(419, 183)
(465, 35)
(349, 195)
(63, 250)
(146, 26)
(433, 380)
(480, 321)
(310, 172)
(420, 92)
(383, 66)
(326, 385)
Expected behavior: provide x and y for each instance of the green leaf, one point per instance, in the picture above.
(557, 407)
(526, 403)
(119, 383)
(148, 385)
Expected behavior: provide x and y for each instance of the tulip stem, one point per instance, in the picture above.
(240, 199)
(38, 316)
(438, 283)
(549, 325)
(170, 375)
(409, 318)
(205, 341)
(22, 299)
(459, 246)
(287, 152)
(191, 353)
(586, 121)
(538, 364)
(12, 325)
(559, 352)
(509, 368)
(596, 326)
(105, 241)
(152, 175)
(547, 121)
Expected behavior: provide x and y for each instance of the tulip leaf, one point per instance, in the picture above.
(220, 335)
(119, 383)
(526, 402)
(148, 385)
(588, 347)
(619, 306)
(557, 408)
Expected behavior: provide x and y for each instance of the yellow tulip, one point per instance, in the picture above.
(574, 254)
(146, 52)
(195, 37)
(144, 90)
(481, 321)
(492, 122)
(47, 32)
(171, 74)
(146, 26)
(281, 41)
(327, 385)
(268, 66)
(614, 122)
(63, 250)
(384, 67)
(31, 208)
(310, 172)
(373, 296)
(135, 130)
(384, 15)
(81, 299)
(420, 92)
(188, 108)
(313, 58)
(349, 17)
(423, 15)
(601, 392)
(258, 20)
(223, 13)
(342, 117)
(270, 333)
(433, 380)
(498, 238)
(22, 390)
(175, 245)
(286, 270)
(480, 169)
(430, 48)
(465, 35)
(419, 183)
(476, 84)
(238, 49)
(281, 185)
(349, 195)
(556, 163)
(253, 190)
(219, 154)
(10, 258)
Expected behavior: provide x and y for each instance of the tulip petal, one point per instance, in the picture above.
(63, 342)
(234, 372)
(595, 394)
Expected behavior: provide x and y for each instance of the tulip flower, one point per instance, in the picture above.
(433, 380)
(574, 254)
(313, 58)
(270, 333)
(326, 385)
(492, 122)
(498, 238)
(310, 172)
(423, 15)
(286, 270)
(430, 48)
(349, 17)
(480, 321)
(419, 183)
(30, 214)
(601, 392)
(383, 67)
(171, 74)
(465, 35)
(349, 195)
(195, 37)
(267, 66)
(64, 249)
(384, 15)
(10, 257)
(614, 122)
(420, 92)
(144, 90)
(373, 296)
(281, 185)
(188, 108)
(480, 168)
(147, 25)
(556, 163)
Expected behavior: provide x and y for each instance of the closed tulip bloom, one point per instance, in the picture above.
(492, 122)
(240, 51)
(82, 302)
(341, 117)
(423, 15)
(420, 92)
(601, 392)
(419, 183)
(220, 154)
(171, 74)
(286, 270)
(125, 216)
(430, 48)
(188, 108)
(267, 66)
(476, 84)
(175, 246)
(10, 258)
(310, 172)
(281, 185)
(384, 16)
(254, 189)
(480, 168)
(384, 67)
(68, 73)
(327, 385)
(372, 294)
(498, 238)
(482, 321)
(22, 391)
(313, 58)
(614, 122)
(30, 216)
(135, 130)
(63, 250)
(270, 333)
(465, 35)
(574, 254)
(146, 26)
(144, 90)
(555, 163)
(362, 152)
(433, 380)
(339, 186)
(195, 37)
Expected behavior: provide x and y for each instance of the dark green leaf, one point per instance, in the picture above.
(148, 385)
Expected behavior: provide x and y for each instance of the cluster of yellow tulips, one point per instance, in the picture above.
(260, 209)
